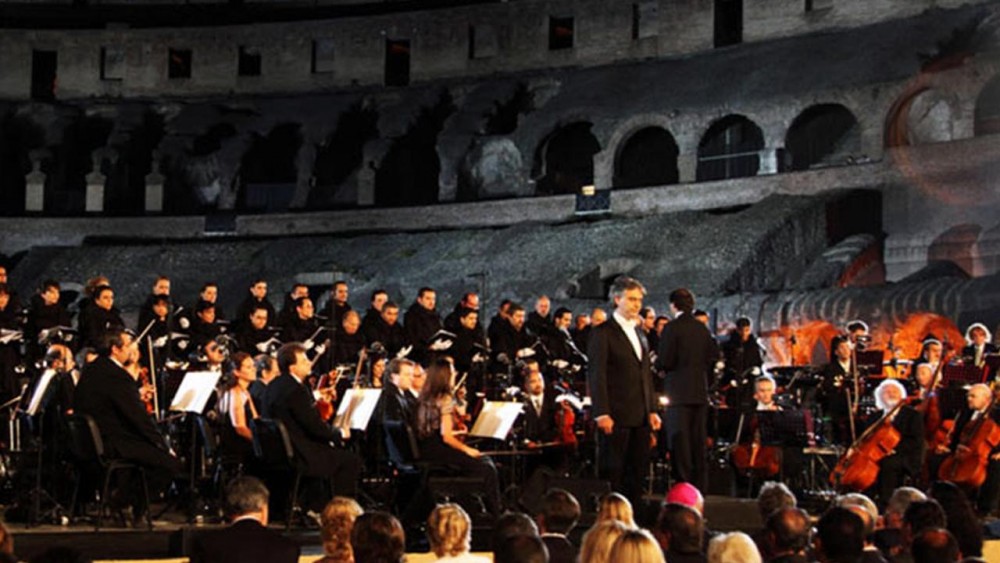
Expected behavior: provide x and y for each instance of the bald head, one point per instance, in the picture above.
(979, 396)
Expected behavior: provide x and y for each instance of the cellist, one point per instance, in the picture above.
(978, 405)
(907, 458)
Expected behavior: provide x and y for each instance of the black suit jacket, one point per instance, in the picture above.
(910, 425)
(246, 541)
(108, 393)
(560, 549)
(620, 383)
(687, 355)
(540, 427)
(290, 402)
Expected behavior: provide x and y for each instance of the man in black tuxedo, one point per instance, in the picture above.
(395, 410)
(979, 405)
(687, 357)
(621, 390)
(979, 346)
(247, 540)
(908, 456)
(421, 322)
(110, 395)
(289, 401)
(539, 406)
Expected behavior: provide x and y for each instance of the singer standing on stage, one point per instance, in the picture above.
(621, 389)
(687, 356)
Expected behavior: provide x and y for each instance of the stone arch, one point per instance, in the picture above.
(72, 160)
(987, 116)
(730, 148)
(268, 171)
(564, 161)
(923, 117)
(341, 155)
(648, 157)
(822, 135)
(19, 135)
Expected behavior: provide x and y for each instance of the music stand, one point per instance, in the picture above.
(36, 410)
(870, 361)
(961, 374)
(496, 419)
(361, 404)
(992, 362)
(191, 397)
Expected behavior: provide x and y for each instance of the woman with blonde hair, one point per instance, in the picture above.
(449, 532)
(599, 539)
(336, 523)
(735, 547)
(636, 546)
(615, 506)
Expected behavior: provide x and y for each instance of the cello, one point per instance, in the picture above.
(966, 466)
(761, 461)
(858, 468)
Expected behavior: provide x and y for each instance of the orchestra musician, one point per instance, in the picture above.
(907, 458)
(421, 322)
(930, 353)
(559, 342)
(978, 404)
(763, 393)
(160, 290)
(857, 334)
(438, 442)
(396, 410)
(204, 325)
(378, 300)
(468, 301)
(257, 298)
(212, 358)
(287, 312)
(253, 336)
(349, 341)
(101, 316)
(267, 369)
(109, 393)
(288, 400)
(539, 406)
(741, 351)
(386, 329)
(977, 338)
(44, 312)
(836, 390)
(337, 306)
(237, 409)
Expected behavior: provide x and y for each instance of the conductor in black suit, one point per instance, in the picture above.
(247, 540)
(110, 395)
(289, 401)
(687, 357)
(622, 392)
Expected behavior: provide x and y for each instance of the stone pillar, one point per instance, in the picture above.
(95, 185)
(604, 169)
(687, 168)
(34, 186)
(305, 163)
(154, 186)
(768, 161)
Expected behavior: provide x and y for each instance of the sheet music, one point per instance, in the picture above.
(362, 403)
(195, 389)
(40, 390)
(496, 419)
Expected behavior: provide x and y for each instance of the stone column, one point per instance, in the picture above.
(95, 184)
(305, 163)
(687, 168)
(34, 185)
(154, 186)
(604, 169)
(768, 161)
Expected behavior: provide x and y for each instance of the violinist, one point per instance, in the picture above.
(907, 457)
(267, 369)
(979, 405)
(237, 409)
(836, 389)
(439, 444)
(978, 337)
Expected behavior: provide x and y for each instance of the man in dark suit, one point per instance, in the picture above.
(908, 456)
(289, 401)
(835, 387)
(687, 357)
(247, 540)
(621, 390)
(421, 322)
(539, 406)
(979, 405)
(979, 346)
(110, 395)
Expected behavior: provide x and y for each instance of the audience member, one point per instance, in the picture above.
(560, 512)
(960, 516)
(522, 549)
(680, 531)
(789, 531)
(336, 523)
(615, 506)
(920, 515)
(636, 546)
(247, 540)
(935, 545)
(865, 508)
(734, 547)
(839, 536)
(377, 537)
(449, 531)
(688, 495)
(773, 496)
(889, 538)
(512, 524)
(599, 539)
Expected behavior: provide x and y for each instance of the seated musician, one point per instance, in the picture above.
(204, 326)
(741, 351)
(252, 336)
(979, 404)
(438, 442)
(237, 408)
(212, 357)
(857, 333)
(539, 407)
(907, 458)
(109, 393)
(349, 341)
(289, 401)
(836, 388)
(385, 328)
(930, 353)
(978, 337)
(396, 409)
(763, 393)
(267, 370)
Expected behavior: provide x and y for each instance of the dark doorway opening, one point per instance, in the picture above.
(988, 109)
(268, 169)
(730, 149)
(43, 75)
(179, 63)
(397, 62)
(823, 135)
(410, 172)
(249, 62)
(560, 33)
(728, 22)
(647, 158)
(341, 155)
(565, 160)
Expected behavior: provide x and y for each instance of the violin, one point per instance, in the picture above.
(565, 419)
(966, 466)
(141, 374)
(858, 469)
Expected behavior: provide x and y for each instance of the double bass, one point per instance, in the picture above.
(966, 466)
(858, 468)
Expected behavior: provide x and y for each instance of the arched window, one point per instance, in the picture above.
(730, 149)
(647, 158)
(988, 108)
(924, 117)
(823, 135)
(565, 160)
(268, 169)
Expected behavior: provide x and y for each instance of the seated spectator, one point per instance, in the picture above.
(839, 536)
(599, 539)
(636, 546)
(247, 540)
(449, 531)
(560, 512)
(688, 495)
(522, 549)
(773, 496)
(889, 538)
(734, 547)
(615, 506)
(960, 516)
(789, 531)
(920, 515)
(336, 523)
(377, 537)
(512, 524)
(680, 531)
(935, 545)
(866, 509)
